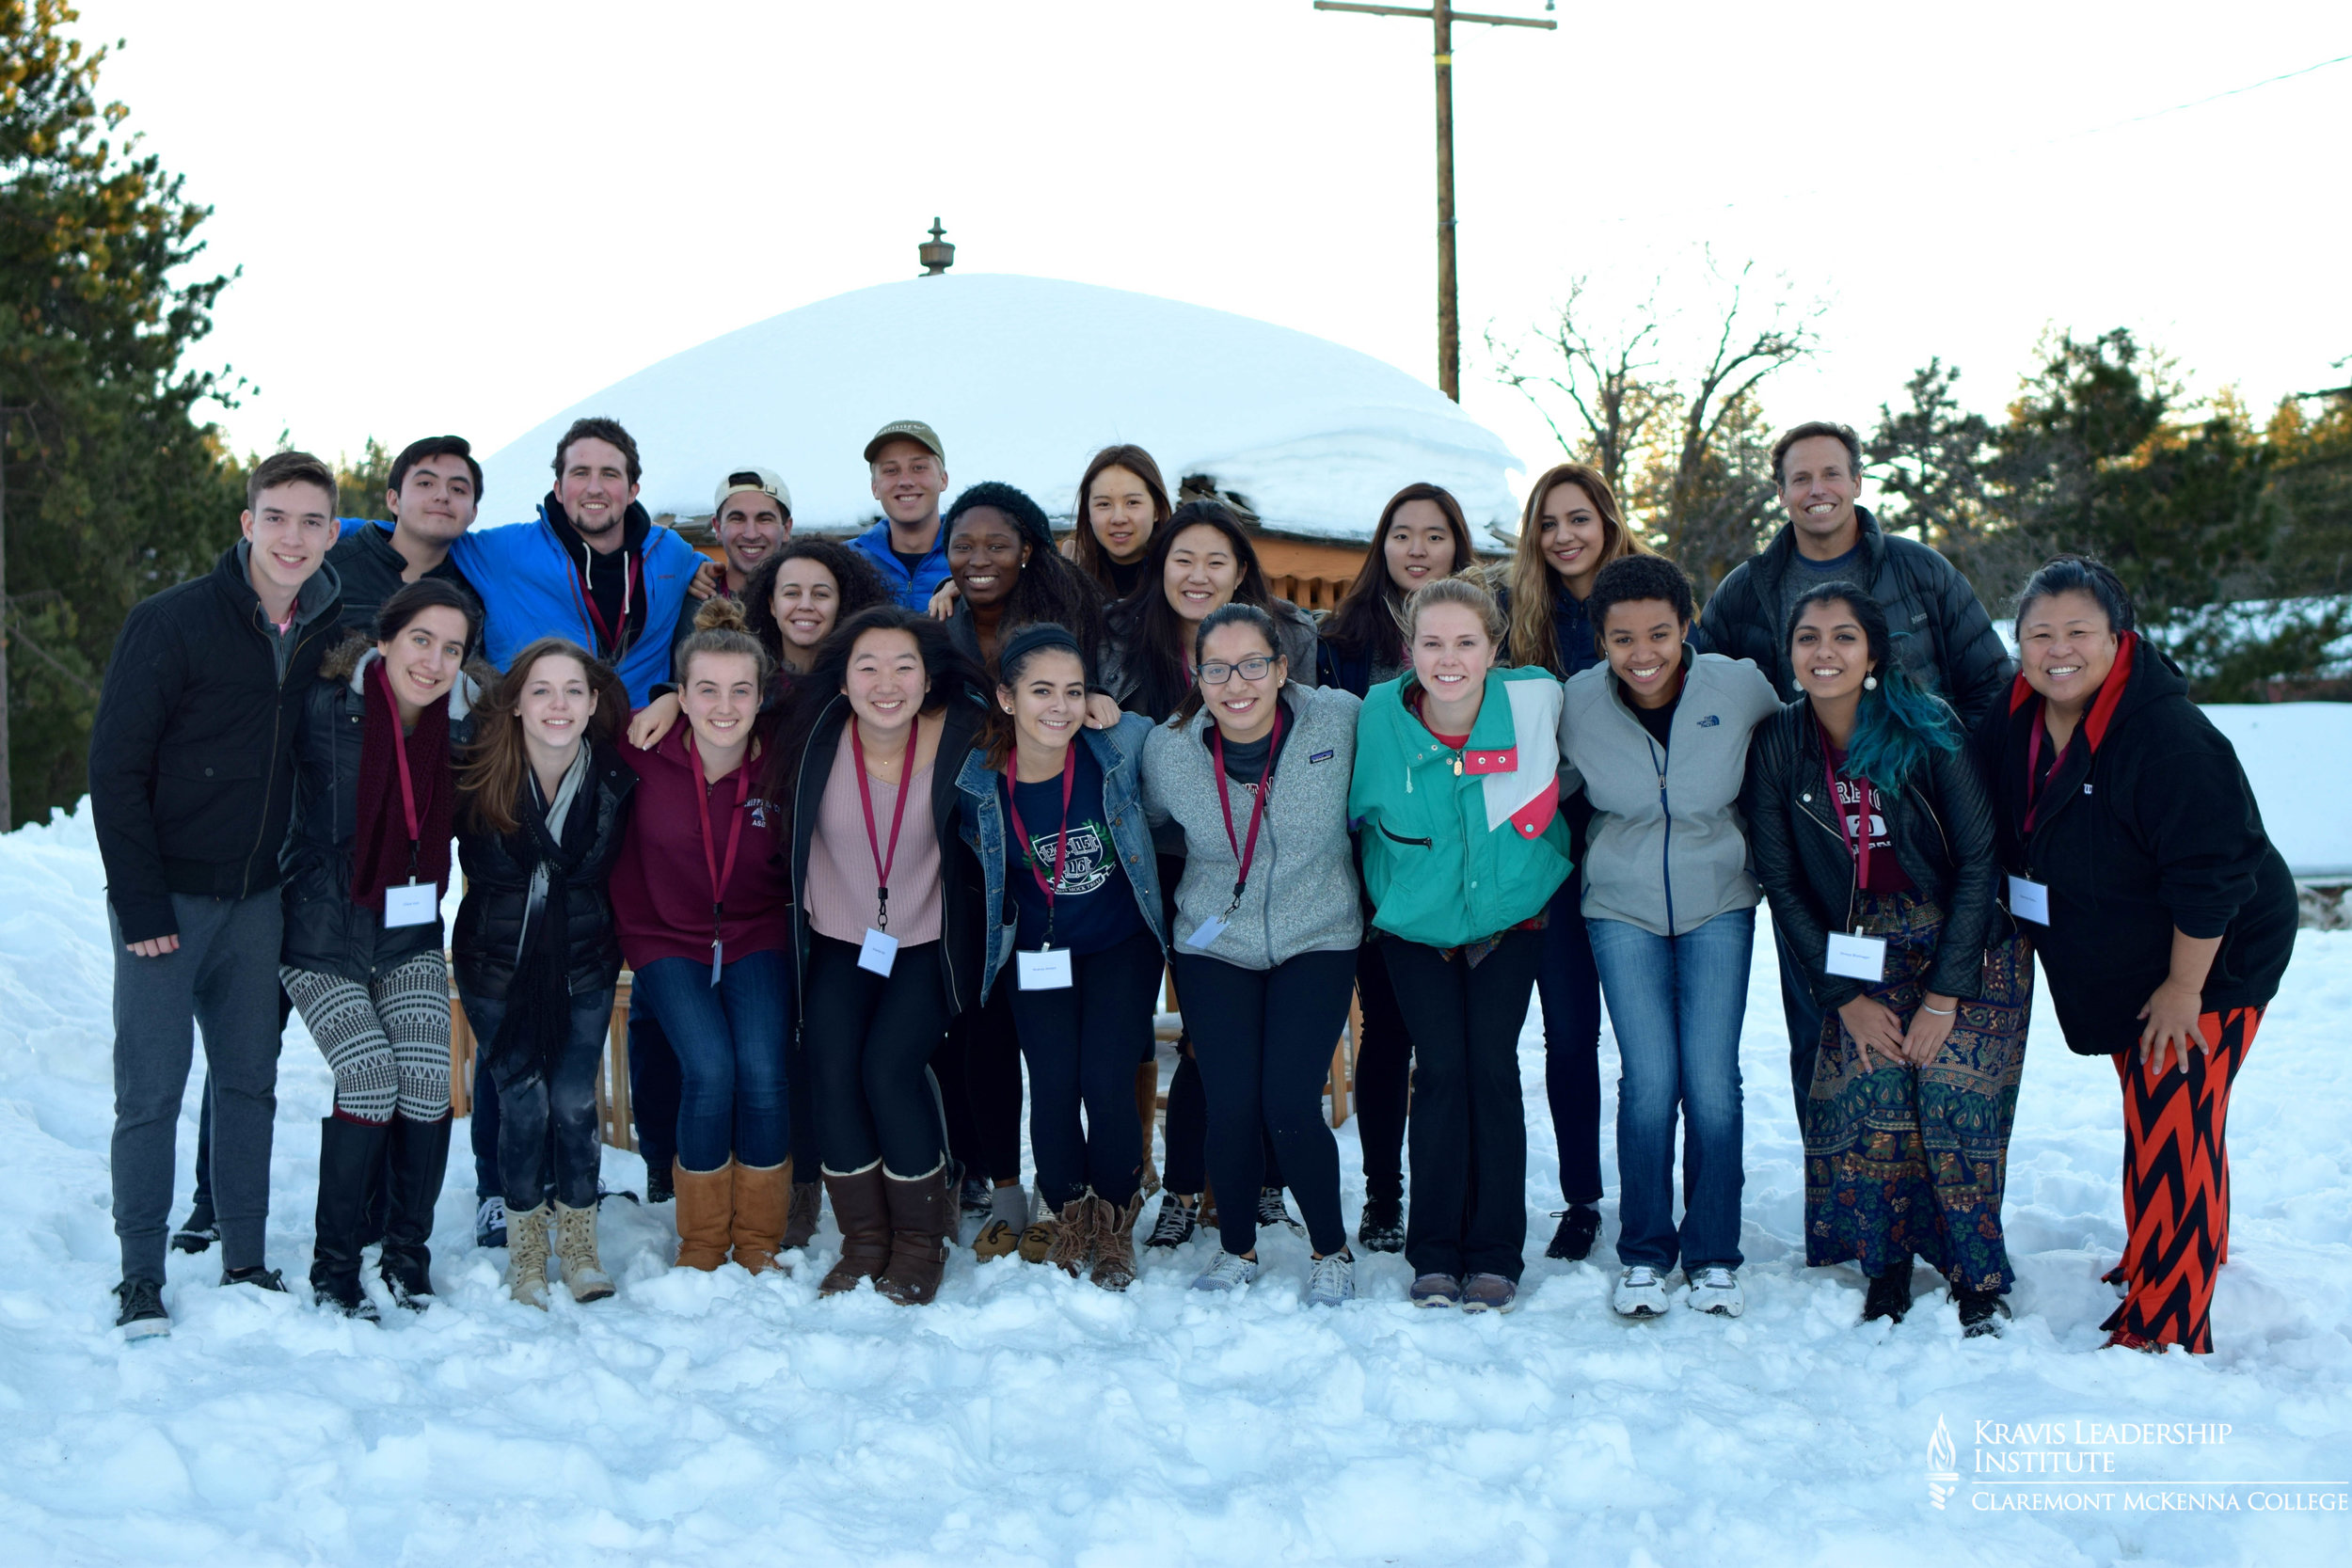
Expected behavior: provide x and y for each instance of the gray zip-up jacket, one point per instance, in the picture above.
(1303, 894)
(1668, 851)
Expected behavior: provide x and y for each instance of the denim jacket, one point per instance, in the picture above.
(1119, 751)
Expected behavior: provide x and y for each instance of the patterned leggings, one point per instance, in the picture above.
(387, 1041)
(2176, 1184)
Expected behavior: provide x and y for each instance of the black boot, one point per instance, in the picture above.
(1580, 1224)
(1382, 1229)
(1890, 1294)
(350, 1153)
(417, 1161)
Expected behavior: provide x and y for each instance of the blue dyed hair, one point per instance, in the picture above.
(1897, 725)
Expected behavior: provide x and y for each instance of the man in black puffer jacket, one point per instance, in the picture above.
(191, 786)
(1941, 633)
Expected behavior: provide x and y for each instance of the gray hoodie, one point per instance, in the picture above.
(1668, 851)
(1302, 895)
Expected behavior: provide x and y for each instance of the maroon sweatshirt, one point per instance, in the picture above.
(662, 881)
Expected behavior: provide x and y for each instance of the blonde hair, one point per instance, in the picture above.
(721, 628)
(1531, 577)
(1461, 591)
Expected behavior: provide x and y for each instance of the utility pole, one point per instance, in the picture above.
(1442, 16)
(8, 798)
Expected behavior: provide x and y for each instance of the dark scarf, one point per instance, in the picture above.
(380, 855)
(537, 1023)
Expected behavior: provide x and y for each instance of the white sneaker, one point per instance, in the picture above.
(1640, 1293)
(1226, 1271)
(1332, 1280)
(1717, 1290)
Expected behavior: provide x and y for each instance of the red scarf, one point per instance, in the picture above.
(379, 840)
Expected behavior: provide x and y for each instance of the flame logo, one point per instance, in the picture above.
(1943, 1458)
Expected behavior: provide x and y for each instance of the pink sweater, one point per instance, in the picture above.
(841, 882)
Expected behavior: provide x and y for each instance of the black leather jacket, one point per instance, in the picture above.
(1940, 822)
(498, 871)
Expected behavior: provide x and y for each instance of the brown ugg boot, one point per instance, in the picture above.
(705, 1214)
(861, 1205)
(1073, 1236)
(1114, 1243)
(799, 1227)
(763, 1201)
(922, 1226)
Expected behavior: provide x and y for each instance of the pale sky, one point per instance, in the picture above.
(463, 216)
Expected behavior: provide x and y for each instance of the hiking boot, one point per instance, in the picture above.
(200, 1232)
(660, 1186)
(1490, 1293)
(1227, 1272)
(576, 1254)
(1073, 1238)
(1716, 1289)
(1980, 1312)
(343, 1293)
(1331, 1280)
(976, 1196)
(1273, 1212)
(862, 1207)
(1381, 1227)
(527, 1257)
(1115, 1241)
(1434, 1289)
(1580, 1227)
(763, 1202)
(1174, 1224)
(489, 1223)
(142, 1316)
(1640, 1293)
(799, 1226)
(1890, 1294)
(921, 1229)
(706, 1216)
(261, 1276)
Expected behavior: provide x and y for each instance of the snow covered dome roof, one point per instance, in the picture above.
(1025, 378)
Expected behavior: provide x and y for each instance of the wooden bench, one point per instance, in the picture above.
(613, 1109)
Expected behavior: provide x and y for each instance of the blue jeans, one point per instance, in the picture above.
(544, 1131)
(1677, 1003)
(729, 1040)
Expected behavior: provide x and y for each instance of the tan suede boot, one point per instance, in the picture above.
(1073, 1238)
(576, 1254)
(763, 1202)
(527, 1257)
(706, 1216)
(861, 1205)
(1114, 1243)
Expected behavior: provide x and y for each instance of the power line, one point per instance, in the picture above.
(2211, 98)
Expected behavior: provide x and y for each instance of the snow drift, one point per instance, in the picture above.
(1027, 1418)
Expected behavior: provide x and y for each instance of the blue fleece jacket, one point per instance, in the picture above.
(531, 589)
(912, 588)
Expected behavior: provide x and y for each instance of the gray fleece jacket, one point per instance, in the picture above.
(1668, 851)
(1303, 894)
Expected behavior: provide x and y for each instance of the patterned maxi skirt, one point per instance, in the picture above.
(1905, 1162)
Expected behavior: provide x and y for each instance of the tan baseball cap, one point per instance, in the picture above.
(766, 480)
(906, 430)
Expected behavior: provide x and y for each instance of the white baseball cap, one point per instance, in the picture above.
(766, 480)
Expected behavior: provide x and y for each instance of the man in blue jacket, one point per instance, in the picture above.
(593, 567)
(907, 547)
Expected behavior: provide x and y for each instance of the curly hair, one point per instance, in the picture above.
(854, 580)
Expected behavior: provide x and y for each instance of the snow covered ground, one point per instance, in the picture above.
(1029, 1419)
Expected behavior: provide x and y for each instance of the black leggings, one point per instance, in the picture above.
(981, 1063)
(1263, 1038)
(1384, 1075)
(1470, 1125)
(869, 1044)
(1082, 1041)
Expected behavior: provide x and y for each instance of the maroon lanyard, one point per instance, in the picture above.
(1244, 850)
(400, 757)
(721, 874)
(1061, 840)
(1846, 828)
(882, 861)
(632, 574)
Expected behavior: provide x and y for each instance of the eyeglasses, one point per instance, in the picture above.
(1254, 667)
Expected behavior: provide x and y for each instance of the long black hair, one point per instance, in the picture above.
(1233, 613)
(1050, 586)
(1367, 622)
(1898, 724)
(953, 677)
(1152, 635)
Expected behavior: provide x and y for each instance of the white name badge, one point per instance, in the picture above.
(411, 904)
(877, 952)
(1857, 957)
(1206, 932)
(2029, 900)
(1048, 969)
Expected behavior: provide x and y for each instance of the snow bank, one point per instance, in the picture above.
(1025, 378)
(1030, 1420)
(2298, 755)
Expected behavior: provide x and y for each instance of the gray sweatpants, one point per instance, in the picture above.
(223, 980)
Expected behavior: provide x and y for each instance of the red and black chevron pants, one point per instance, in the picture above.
(2176, 1184)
